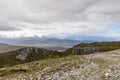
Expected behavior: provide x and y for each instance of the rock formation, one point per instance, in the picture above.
(85, 50)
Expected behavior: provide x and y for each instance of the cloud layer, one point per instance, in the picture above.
(59, 18)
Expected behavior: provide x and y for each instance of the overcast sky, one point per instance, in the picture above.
(59, 18)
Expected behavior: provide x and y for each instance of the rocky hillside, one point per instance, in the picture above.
(99, 66)
(27, 54)
(103, 46)
(30, 63)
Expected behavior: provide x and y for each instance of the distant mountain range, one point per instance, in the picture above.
(43, 42)
(40, 42)
(52, 42)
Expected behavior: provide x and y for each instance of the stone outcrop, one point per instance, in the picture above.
(85, 50)
(23, 53)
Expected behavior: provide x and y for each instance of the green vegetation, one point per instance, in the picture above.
(44, 54)
(9, 58)
(40, 65)
(104, 46)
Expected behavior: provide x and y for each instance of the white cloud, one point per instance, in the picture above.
(59, 17)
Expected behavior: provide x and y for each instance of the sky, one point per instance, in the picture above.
(60, 18)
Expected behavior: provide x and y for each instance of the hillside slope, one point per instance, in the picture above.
(26, 54)
(99, 66)
(6, 47)
(103, 46)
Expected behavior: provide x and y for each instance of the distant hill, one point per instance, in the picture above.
(47, 42)
(6, 47)
(103, 46)
(42, 42)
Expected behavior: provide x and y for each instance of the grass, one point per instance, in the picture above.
(39, 65)
(100, 61)
(89, 66)
(104, 46)
(9, 58)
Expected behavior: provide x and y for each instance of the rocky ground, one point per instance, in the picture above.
(97, 66)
